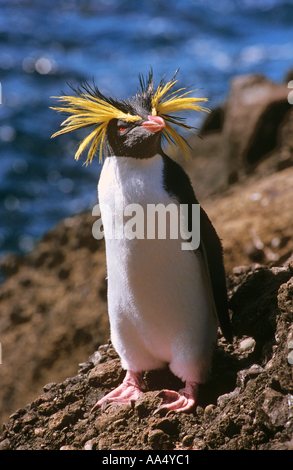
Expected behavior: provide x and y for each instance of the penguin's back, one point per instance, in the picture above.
(159, 300)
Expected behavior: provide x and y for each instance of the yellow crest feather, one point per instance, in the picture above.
(90, 107)
(87, 110)
(163, 104)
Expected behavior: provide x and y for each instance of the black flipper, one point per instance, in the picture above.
(211, 248)
(177, 184)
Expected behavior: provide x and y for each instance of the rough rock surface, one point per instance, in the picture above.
(254, 110)
(53, 311)
(250, 135)
(247, 404)
(254, 220)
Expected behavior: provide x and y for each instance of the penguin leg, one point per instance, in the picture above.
(128, 391)
(182, 401)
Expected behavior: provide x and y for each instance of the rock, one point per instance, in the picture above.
(5, 444)
(242, 221)
(277, 407)
(209, 410)
(246, 344)
(157, 439)
(260, 321)
(254, 111)
(11, 263)
(255, 412)
(168, 425)
(109, 373)
(250, 204)
(187, 440)
(66, 416)
(67, 448)
(249, 135)
(245, 375)
(51, 322)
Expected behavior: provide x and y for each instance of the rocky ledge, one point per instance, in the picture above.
(247, 403)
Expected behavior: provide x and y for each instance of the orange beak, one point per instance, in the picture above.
(154, 124)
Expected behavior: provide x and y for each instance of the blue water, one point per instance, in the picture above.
(45, 44)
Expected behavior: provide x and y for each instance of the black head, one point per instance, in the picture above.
(139, 139)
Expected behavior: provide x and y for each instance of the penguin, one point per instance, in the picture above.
(165, 303)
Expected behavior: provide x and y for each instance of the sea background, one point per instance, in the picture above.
(46, 44)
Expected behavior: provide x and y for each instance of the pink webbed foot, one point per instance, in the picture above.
(182, 401)
(128, 391)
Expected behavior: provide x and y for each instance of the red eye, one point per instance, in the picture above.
(122, 129)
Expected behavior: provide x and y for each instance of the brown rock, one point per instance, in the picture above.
(254, 111)
(251, 134)
(276, 406)
(69, 415)
(254, 413)
(256, 214)
(109, 373)
(53, 311)
(157, 439)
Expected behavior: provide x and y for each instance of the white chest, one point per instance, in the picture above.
(157, 293)
(129, 190)
(138, 181)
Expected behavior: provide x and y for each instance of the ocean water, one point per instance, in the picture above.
(45, 45)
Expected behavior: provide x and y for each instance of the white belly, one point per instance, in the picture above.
(159, 300)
